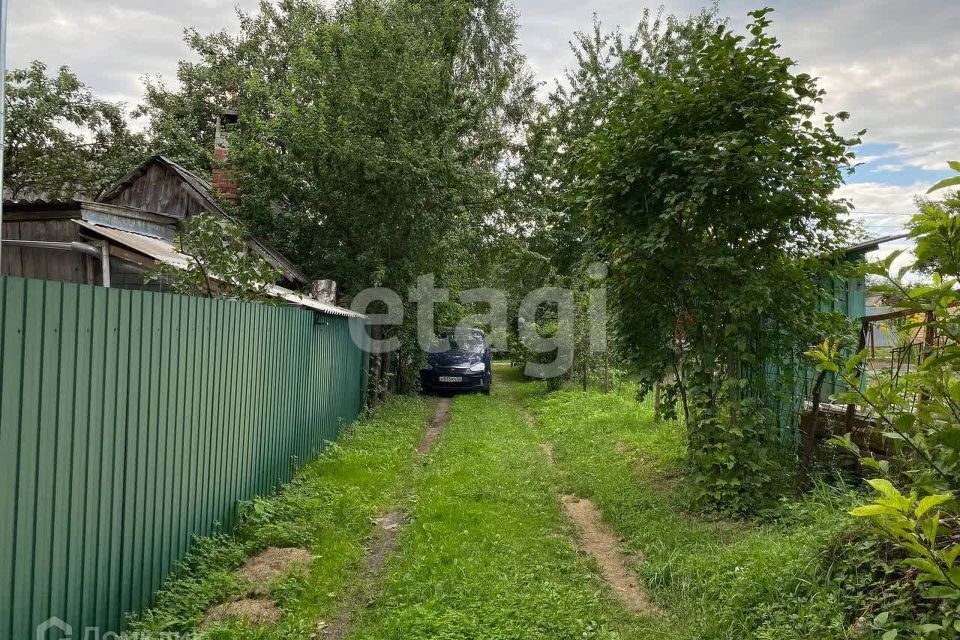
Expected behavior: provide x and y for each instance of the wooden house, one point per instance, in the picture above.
(802, 413)
(152, 201)
(127, 230)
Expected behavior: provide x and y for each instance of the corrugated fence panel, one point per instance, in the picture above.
(131, 422)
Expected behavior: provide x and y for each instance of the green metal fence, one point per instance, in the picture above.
(132, 421)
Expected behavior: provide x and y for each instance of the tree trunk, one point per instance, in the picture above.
(606, 372)
(656, 402)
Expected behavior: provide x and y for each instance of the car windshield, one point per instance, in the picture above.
(470, 342)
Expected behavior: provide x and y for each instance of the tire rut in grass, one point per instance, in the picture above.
(600, 543)
(597, 541)
(441, 415)
(383, 543)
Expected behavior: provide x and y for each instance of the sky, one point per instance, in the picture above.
(893, 64)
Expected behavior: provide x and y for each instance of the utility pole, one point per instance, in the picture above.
(4, 8)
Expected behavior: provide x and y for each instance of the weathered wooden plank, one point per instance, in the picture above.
(11, 259)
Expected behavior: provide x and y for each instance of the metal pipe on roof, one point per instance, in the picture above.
(101, 251)
(82, 247)
(104, 262)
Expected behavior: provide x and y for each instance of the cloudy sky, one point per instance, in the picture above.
(894, 65)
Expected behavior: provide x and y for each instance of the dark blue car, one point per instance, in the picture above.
(463, 365)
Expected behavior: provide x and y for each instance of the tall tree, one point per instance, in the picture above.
(551, 220)
(577, 106)
(61, 140)
(707, 185)
(370, 134)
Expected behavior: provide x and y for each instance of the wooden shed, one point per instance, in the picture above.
(62, 221)
(789, 387)
(144, 208)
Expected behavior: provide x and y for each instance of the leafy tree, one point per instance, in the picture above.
(707, 187)
(936, 246)
(952, 181)
(576, 107)
(370, 134)
(220, 262)
(60, 139)
(181, 123)
(552, 224)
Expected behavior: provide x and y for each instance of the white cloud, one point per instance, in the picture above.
(877, 197)
(112, 44)
(891, 64)
(871, 199)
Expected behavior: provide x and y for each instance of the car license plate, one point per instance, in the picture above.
(451, 379)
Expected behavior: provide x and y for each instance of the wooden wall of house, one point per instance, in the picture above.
(161, 190)
(46, 264)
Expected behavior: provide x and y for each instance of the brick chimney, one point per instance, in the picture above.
(223, 182)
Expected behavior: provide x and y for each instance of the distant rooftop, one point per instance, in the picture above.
(873, 244)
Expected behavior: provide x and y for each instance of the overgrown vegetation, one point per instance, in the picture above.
(391, 168)
(378, 140)
(221, 263)
(782, 576)
(920, 412)
(487, 553)
(708, 166)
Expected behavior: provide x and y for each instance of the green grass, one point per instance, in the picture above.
(487, 554)
(718, 579)
(328, 508)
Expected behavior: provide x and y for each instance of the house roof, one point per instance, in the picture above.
(162, 250)
(205, 192)
(38, 204)
(873, 243)
(120, 216)
(203, 188)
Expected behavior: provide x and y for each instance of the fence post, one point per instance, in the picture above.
(861, 345)
(809, 434)
(656, 402)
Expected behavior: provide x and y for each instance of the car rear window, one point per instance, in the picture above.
(470, 342)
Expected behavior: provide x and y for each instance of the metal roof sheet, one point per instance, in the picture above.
(873, 243)
(164, 251)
